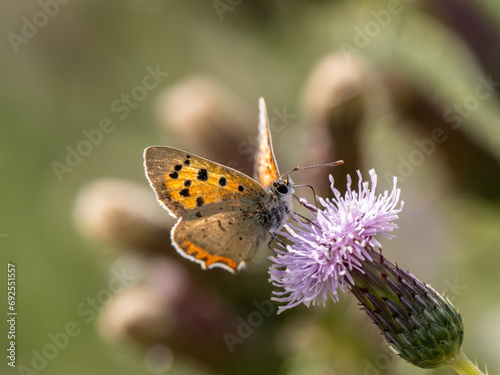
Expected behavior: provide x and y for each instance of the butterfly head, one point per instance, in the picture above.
(282, 186)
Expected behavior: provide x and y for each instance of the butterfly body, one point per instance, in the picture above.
(225, 216)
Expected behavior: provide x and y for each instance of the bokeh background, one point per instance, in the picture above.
(410, 88)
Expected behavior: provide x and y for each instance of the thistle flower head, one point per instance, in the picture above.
(325, 251)
(337, 248)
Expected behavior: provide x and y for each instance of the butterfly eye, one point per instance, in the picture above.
(282, 189)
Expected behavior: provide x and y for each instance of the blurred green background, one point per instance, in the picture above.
(422, 67)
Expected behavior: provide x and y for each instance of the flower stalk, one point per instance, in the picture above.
(463, 365)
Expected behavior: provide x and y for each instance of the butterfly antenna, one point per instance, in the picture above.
(332, 164)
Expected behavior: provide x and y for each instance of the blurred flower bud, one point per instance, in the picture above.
(170, 309)
(442, 134)
(334, 107)
(139, 314)
(473, 24)
(145, 313)
(125, 214)
(209, 121)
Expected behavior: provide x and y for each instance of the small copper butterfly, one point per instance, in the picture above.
(225, 216)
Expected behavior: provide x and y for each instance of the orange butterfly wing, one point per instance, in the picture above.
(218, 207)
(184, 181)
(266, 168)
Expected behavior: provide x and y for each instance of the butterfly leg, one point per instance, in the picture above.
(306, 220)
(277, 239)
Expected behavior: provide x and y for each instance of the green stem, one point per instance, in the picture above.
(463, 366)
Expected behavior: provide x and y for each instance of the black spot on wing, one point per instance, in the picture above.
(222, 181)
(184, 193)
(178, 167)
(174, 175)
(202, 175)
(187, 183)
(200, 201)
(241, 188)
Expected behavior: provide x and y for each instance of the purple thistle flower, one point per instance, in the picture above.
(337, 248)
(326, 250)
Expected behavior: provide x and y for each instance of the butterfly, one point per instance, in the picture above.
(225, 217)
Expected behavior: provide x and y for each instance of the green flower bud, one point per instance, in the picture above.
(419, 324)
